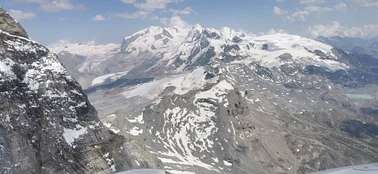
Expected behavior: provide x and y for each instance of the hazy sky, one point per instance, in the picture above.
(48, 21)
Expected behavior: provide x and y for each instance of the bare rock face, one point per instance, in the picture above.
(47, 124)
(11, 26)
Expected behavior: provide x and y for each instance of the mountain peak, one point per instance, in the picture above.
(154, 29)
(197, 27)
(229, 33)
(153, 39)
(11, 26)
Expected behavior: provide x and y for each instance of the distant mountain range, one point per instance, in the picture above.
(169, 50)
(223, 101)
(355, 45)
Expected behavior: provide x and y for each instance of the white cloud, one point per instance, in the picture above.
(365, 3)
(58, 5)
(298, 16)
(154, 18)
(99, 18)
(321, 6)
(269, 32)
(280, 1)
(301, 15)
(164, 21)
(278, 11)
(20, 15)
(314, 9)
(54, 5)
(148, 7)
(175, 21)
(151, 5)
(128, 1)
(312, 1)
(324, 30)
(275, 31)
(33, 1)
(335, 29)
(185, 11)
(355, 3)
(341, 7)
(137, 14)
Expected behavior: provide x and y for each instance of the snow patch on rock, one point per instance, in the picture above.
(6, 71)
(71, 134)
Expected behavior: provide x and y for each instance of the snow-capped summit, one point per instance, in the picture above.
(154, 40)
(229, 33)
(205, 45)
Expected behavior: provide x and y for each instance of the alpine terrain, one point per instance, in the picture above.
(223, 101)
(354, 45)
(47, 124)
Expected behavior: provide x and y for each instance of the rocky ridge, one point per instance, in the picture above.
(11, 26)
(47, 124)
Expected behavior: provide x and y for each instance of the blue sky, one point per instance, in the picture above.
(48, 21)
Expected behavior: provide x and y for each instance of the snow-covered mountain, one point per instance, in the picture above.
(47, 124)
(156, 52)
(178, 51)
(86, 49)
(81, 59)
(186, 100)
(224, 101)
(170, 50)
(90, 53)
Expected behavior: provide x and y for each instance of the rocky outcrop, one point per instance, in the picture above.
(11, 26)
(47, 124)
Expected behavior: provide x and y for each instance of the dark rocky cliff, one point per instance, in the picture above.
(47, 124)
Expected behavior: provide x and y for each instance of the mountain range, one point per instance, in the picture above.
(354, 45)
(224, 101)
(186, 100)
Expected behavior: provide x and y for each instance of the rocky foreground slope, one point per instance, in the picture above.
(47, 124)
(222, 101)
